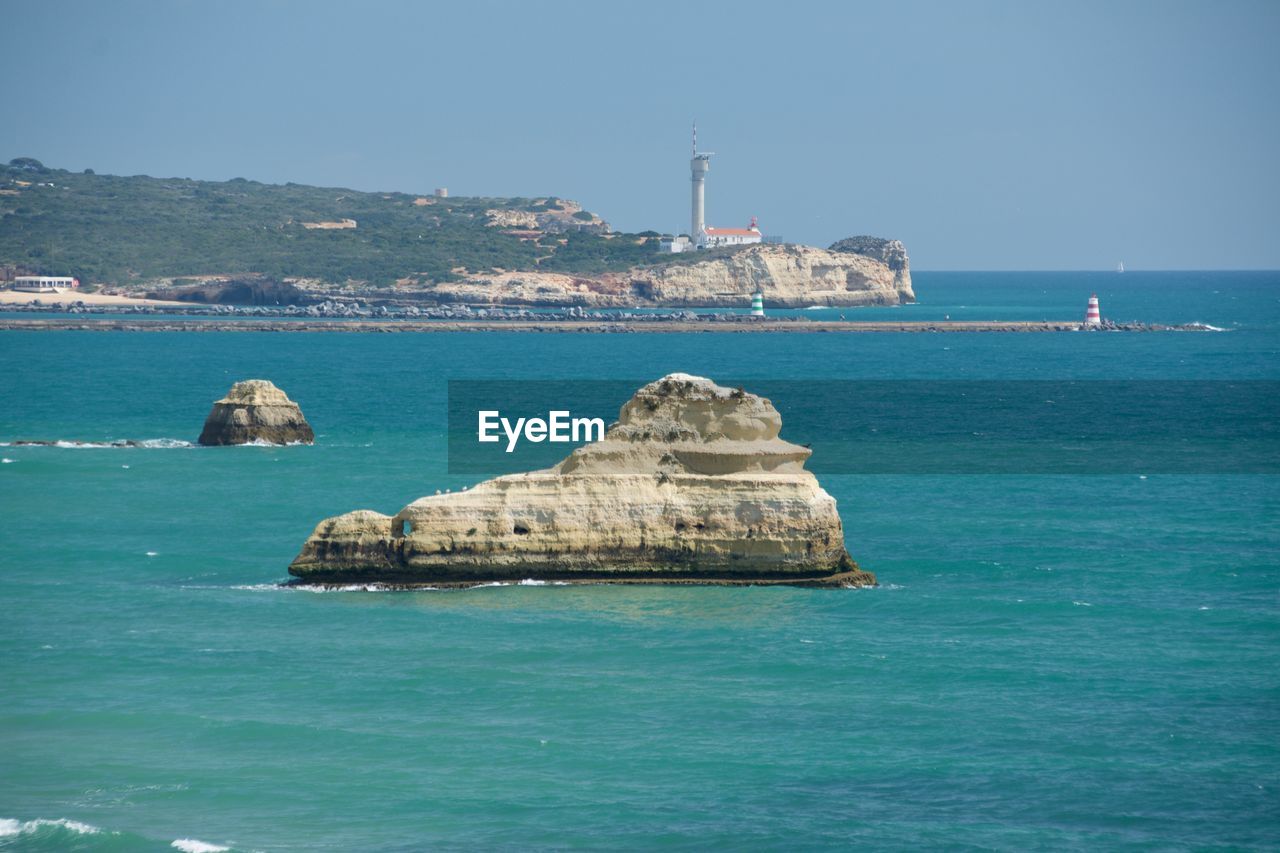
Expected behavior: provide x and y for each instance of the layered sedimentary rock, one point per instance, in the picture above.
(790, 276)
(256, 411)
(891, 253)
(692, 484)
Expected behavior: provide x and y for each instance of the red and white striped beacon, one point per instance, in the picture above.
(1092, 316)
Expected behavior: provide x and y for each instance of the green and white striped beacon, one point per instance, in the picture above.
(757, 304)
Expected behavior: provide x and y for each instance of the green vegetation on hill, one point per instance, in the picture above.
(125, 230)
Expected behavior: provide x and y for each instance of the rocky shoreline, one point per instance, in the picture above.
(564, 324)
(852, 579)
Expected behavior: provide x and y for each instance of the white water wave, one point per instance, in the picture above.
(349, 587)
(374, 587)
(127, 444)
(10, 827)
(346, 587)
(258, 442)
(195, 845)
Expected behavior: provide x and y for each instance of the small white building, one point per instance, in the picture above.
(732, 236)
(44, 283)
(675, 245)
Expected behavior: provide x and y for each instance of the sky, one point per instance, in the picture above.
(984, 135)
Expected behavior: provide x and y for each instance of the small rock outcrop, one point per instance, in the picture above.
(256, 411)
(891, 253)
(692, 484)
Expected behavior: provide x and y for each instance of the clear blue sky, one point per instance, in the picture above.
(1010, 135)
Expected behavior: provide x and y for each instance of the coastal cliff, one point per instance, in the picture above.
(891, 253)
(691, 485)
(789, 275)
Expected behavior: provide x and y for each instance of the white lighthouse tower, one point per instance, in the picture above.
(698, 168)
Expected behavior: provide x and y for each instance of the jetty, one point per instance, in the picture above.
(742, 325)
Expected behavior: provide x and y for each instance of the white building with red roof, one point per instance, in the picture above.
(731, 236)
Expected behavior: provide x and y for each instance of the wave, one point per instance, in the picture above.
(377, 587)
(10, 827)
(258, 442)
(145, 443)
(194, 845)
(351, 587)
(67, 834)
(1204, 327)
(343, 587)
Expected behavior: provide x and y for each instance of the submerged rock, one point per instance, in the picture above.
(255, 411)
(691, 485)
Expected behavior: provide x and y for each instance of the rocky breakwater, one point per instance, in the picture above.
(789, 275)
(692, 484)
(256, 412)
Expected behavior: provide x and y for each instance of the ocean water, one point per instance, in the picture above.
(1074, 662)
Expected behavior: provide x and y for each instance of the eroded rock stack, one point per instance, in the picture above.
(692, 484)
(256, 411)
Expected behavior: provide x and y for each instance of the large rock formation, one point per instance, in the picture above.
(236, 291)
(255, 411)
(790, 276)
(691, 485)
(891, 253)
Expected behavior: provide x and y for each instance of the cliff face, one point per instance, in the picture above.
(243, 290)
(790, 276)
(692, 484)
(891, 253)
(255, 410)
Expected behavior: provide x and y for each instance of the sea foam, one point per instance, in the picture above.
(195, 845)
(71, 444)
(10, 827)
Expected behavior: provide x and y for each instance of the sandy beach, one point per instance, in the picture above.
(70, 297)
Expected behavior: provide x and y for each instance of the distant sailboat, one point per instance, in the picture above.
(1120, 267)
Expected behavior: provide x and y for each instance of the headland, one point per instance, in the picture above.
(241, 242)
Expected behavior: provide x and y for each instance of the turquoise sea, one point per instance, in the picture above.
(1053, 662)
